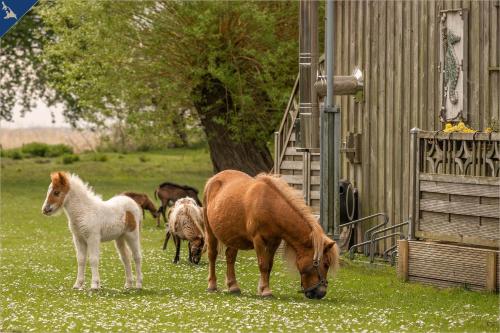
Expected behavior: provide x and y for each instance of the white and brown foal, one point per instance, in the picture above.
(92, 221)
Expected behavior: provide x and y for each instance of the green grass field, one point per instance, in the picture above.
(38, 268)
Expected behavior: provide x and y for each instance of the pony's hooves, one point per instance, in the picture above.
(78, 285)
(211, 289)
(266, 294)
(234, 291)
(175, 261)
(95, 289)
(96, 285)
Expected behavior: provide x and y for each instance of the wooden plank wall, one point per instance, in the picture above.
(395, 44)
(445, 265)
(452, 209)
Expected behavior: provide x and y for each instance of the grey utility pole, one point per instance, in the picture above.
(330, 140)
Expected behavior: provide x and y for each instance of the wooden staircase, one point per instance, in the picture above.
(301, 169)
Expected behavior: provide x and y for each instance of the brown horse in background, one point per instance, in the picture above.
(144, 202)
(169, 193)
(258, 213)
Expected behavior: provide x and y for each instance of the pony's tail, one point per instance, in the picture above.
(199, 221)
(211, 188)
(167, 237)
(138, 215)
(198, 202)
(156, 194)
(196, 214)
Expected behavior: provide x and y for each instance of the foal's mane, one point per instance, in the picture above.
(296, 202)
(194, 213)
(77, 183)
(184, 187)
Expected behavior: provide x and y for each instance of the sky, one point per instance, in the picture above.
(39, 117)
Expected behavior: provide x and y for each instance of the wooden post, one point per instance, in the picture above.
(277, 153)
(491, 271)
(306, 176)
(414, 190)
(403, 256)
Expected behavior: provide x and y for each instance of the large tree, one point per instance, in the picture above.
(22, 78)
(232, 62)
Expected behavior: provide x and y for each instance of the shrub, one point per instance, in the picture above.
(100, 157)
(16, 155)
(143, 158)
(59, 150)
(35, 149)
(70, 158)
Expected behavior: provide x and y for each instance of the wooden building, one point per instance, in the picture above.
(397, 46)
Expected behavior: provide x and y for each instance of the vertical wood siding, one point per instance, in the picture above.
(396, 45)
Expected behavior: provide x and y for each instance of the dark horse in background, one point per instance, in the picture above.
(169, 193)
(144, 202)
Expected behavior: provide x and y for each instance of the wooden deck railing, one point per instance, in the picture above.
(284, 133)
(456, 187)
(282, 136)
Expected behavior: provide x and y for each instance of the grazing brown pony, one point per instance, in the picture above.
(169, 193)
(258, 213)
(144, 202)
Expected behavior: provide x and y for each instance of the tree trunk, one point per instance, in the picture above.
(212, 102)
(179, 124)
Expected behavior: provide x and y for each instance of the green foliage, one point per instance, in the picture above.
(123, 137)
(69, 158)
(24, 79)
(143, 158)
(38, 268)
(42, 160)
(15, 154)
(58, 150)
(140, 62)
(98, 157)
(37, 149)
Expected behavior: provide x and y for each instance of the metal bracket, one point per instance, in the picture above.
(352, 147)
(331, 109)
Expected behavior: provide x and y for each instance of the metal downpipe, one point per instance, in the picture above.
(314, 5)
(305, 75)
(330, 140)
